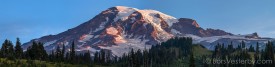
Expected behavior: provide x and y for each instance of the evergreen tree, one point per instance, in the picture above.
(257, 48)
(257, 55)
(251, 49)
(132, 58)
(36, 52)
(239, 47)
(32, 52)
(138, 57)
(63, 52)
(4, 49)
(11, 51)
(243, 45)
(102, 57)
(192, 60)
(217, 51)
(52, 56)
(7, 50)
(58, 53)
(18, 49)
(145, 58)
(269, 54)
(230, 48)
(67, 57)
(96, 57)
(108, 56)
(72, 52)
(87, 58)
(42, 52)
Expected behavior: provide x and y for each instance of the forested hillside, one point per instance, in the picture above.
(176, 52)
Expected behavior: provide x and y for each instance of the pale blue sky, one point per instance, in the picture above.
(29, 19)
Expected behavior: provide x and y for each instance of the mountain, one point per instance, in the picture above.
(121, 28)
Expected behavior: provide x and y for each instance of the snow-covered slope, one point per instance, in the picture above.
(210, 42)
(121, 28)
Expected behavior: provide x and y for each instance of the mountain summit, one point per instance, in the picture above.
(121, 28)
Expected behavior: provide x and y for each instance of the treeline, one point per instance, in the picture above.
(11, 52)
(163, 54)
(175, 52)
(241, 56)
(37, 52)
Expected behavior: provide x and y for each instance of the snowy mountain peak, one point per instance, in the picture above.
(151, 16)
(124, 8)
(121, 28)
(154, 16)
(124, 12)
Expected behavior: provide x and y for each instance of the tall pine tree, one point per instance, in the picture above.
(58, 55)
(7, 50)
(63, 52)
(72, 52)
(269, 54)
(18, 49)
(192, 60)
(257, 55)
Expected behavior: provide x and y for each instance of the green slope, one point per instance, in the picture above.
(199, 51)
